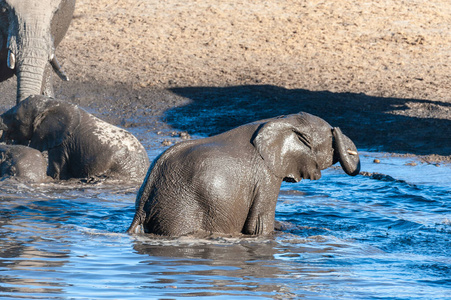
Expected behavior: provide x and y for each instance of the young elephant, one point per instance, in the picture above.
(23, 163)
(229, 183)
(79, 145)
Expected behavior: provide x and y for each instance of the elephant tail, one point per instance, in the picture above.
(137, 225)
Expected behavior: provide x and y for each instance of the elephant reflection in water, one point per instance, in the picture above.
(244, 261)
(229, 183)
(215, 265)
(76, 143)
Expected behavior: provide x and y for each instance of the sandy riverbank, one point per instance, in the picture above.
(378, 69)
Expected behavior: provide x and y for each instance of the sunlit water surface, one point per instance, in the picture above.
(367, 237)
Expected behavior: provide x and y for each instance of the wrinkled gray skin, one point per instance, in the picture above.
(30, 30)
(229, 183)
(22, 163)
(78, 144)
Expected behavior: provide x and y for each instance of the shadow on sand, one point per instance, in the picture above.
(414, 126)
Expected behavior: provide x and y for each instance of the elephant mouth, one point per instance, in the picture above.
(289, 179)
(315, 175)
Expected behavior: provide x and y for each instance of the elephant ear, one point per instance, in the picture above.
(54, 125)
(285, 145)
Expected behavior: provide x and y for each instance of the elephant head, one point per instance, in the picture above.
(29, 32)
(23, 163)
(39, 123)
(301, 145)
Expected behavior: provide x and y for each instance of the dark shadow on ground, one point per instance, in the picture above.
(414, 126)
(402, 126)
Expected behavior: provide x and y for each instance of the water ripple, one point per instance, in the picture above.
(367, 237)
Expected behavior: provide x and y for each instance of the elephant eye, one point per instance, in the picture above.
(4, 7)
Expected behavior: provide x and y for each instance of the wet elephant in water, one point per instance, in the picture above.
(22, 163)
(30, 30)
(229, 183)
(78, 144)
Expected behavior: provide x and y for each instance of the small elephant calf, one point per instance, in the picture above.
(229, 183)
(22, 163)
(78, 144)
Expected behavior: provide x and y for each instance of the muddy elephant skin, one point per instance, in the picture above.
(30, 30)
(229, 183)
(78, 144)
(22, 163)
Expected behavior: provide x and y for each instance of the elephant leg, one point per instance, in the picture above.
(260, 220)
(259, 224)
(58, 167)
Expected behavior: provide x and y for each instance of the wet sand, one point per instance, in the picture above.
(380, 70)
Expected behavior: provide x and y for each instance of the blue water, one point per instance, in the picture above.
(368, 237)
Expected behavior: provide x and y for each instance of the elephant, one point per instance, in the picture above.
(78, 144)
(30, 31)
(229, 183)
(22, 163)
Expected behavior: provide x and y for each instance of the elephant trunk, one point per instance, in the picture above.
(30, 48)
(345, 152)
(29, 78)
